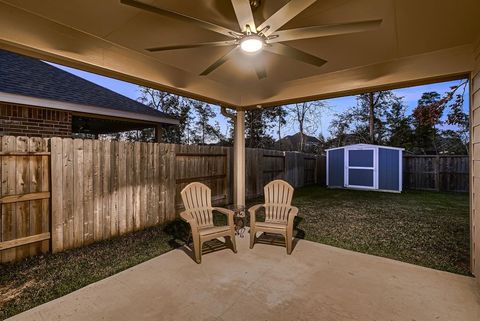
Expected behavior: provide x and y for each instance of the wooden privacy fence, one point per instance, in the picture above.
(445, 173)
(62, 193)
(206, 164)
(101, 189)
(24, 197)
(299, 169)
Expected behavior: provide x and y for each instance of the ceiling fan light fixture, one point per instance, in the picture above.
(252, 43)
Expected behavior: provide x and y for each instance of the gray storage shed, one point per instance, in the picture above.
(364, 166)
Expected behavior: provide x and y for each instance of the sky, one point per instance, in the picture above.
(411, 95)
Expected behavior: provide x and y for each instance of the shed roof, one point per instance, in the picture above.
(25, 76)
(353, 146)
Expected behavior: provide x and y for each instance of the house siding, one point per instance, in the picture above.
(475, 165)
(22, 120)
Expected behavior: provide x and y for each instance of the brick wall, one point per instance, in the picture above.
(21, 120)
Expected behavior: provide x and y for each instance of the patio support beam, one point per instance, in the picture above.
(239, 159)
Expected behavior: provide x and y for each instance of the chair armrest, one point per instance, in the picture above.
(293, 211)
(253, 211)
(229, 213)
(190, 220)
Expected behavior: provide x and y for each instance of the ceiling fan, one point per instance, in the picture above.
(267, 36)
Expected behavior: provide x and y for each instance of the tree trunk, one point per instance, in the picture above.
(279, 130)
(301, 139)
(371, 118)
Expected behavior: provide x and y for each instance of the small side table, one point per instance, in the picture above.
(239, 219)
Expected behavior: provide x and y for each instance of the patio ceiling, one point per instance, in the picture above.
(418, 41)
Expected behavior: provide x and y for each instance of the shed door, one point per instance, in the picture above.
(361, 169)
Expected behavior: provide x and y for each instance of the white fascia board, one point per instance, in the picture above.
(87, 109)
(334, 148)
(365, 146)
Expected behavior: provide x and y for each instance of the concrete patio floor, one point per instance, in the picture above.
(317, 282)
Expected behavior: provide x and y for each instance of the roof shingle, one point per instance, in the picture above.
(27, 76)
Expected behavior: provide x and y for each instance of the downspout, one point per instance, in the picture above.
(238, 154)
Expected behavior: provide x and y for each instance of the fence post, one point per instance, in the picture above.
(436, 168)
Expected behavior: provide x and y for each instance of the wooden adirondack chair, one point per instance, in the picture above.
(199, 214)
(279, 214)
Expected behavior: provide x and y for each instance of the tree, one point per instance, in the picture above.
(428, 117)
(459, 118)
(279, 114)
(365, 122)
(204, 131)
(306, 117)
(400, 132)
(257, 125)
(451, 142)
(173, 105)
(374, 106)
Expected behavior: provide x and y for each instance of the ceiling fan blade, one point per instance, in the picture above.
(219, 62)
(260, 69)
(194, 45)
(284, 15)
(181, 17)
(323, 31)
(244, 14)
(284, 50)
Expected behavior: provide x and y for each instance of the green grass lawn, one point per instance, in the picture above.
(424, 228)
(429, 229)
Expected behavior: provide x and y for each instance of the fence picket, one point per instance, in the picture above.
(78, 192)
(97, 191)
(88, 197)
(114, 189)
(129, 181)
(56, 145)
(68, 194)
(136, 186)
(35, 181)
(106, 188)
(122, 190)
(46, 204)
(8, 188)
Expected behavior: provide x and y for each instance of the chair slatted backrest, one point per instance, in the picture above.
(278, 197)
(197, 200)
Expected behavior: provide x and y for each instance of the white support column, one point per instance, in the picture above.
(239, 159)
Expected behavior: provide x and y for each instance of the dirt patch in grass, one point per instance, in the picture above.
(40, 279)
(423, 228)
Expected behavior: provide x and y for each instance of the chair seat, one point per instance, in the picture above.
(271, 225)
(213, 230)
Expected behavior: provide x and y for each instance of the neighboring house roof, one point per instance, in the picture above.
(294, 140)
(46, 85)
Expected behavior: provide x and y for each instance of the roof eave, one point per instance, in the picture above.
(86, 109)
